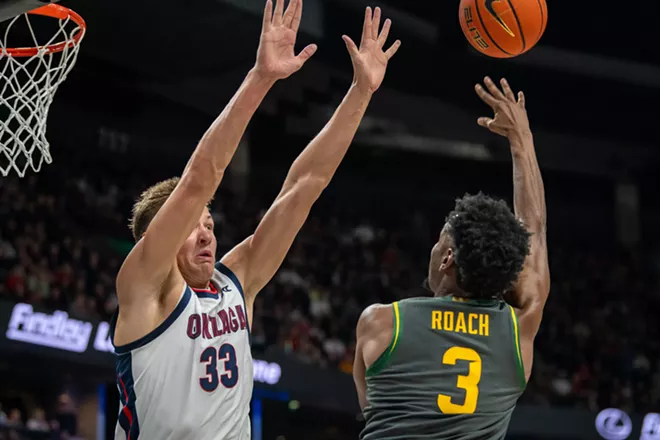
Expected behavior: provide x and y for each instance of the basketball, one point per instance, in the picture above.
(503, 28)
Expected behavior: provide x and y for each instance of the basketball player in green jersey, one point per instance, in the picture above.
(453, 366)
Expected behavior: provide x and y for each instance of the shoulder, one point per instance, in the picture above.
(136, 285)
(375, 317)
(227, 272)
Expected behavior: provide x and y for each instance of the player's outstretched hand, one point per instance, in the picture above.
(370, 61)
(510, 115)
(276, 58)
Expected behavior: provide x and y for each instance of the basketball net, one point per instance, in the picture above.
(29, 78)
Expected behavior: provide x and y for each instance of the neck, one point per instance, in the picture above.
(440, 292)
(447, 287)
(199, 284)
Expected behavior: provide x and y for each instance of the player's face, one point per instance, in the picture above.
(442, 259)
(196, 258)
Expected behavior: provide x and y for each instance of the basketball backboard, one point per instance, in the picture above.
(12, 8)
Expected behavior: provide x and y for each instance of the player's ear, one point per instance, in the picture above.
(447, 260)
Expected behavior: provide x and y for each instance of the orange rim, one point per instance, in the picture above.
(61, 13)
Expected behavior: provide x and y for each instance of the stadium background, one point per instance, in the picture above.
(152, 76)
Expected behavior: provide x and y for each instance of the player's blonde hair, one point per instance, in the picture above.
(148, 204)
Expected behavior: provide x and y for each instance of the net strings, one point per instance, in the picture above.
(27, 88)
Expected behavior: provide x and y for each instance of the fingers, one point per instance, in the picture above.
(268, 15)
(384, 33)
(306, 54)
(375, 24)
(350, 45)
(295, 24)
(485, 96)
(287, 20)
(490, 124)
(366, 28)
(521, 99)
(485, 122)
(279, 9)
(492, 88)
(507, 90)
(393, 49)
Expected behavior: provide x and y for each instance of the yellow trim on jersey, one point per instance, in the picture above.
(515, 329)
(397, 325)
(384, 358)
(516, 334)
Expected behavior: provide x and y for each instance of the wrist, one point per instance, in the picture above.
(520, 138)
(259, 79)
(363, 92)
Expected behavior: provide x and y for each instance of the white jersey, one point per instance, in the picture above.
(191, 377)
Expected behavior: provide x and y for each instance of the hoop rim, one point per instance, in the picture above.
(54, 11)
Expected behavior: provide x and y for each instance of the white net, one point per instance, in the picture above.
(28, 84)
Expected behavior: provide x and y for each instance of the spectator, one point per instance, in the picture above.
(15, 419)
(38, 421)
(62, 240)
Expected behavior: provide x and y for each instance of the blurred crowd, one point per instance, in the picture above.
(62, 239)
(26, 418)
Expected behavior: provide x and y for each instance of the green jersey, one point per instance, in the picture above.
(452, 371)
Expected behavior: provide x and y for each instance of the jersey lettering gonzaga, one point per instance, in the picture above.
(191, 377)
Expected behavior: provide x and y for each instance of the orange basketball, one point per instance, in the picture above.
(503, 28)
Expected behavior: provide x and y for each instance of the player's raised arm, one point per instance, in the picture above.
(256, 260)
(154, 256)
(533, 287)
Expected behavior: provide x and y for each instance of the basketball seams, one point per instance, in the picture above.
(522, 33)
(543, 18)
(483, 25)
(488, 38)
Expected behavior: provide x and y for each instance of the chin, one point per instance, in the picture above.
(206, 269)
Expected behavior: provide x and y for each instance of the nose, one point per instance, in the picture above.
(205, 236)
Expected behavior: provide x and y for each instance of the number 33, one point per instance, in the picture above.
(469, 383)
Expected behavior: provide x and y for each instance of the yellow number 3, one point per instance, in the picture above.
(469, 383)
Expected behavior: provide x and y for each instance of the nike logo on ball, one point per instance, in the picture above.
(491, 9)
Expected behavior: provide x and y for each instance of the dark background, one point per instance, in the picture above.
(152, 75)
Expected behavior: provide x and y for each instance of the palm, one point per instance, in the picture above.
(500, 123)
(370, 65)
(276, 57)
(276, 53)
(370, 61)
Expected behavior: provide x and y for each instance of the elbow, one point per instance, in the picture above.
(307, 190)
(314, 185)
(536, 222)
(201, 179)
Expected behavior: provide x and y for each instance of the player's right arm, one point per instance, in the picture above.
(147, 269)
(533, 287)
(373, 335)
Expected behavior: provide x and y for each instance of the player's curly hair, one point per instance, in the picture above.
(490, 245)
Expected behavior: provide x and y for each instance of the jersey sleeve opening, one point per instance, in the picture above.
(518, 351)
(384, 358)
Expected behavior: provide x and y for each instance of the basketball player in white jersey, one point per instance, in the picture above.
(182, 332)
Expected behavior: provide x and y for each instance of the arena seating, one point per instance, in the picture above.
(63, 237)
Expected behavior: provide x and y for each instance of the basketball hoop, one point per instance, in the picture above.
(29, 78)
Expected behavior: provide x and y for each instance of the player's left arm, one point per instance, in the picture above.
(533, 287)
(258, 257)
